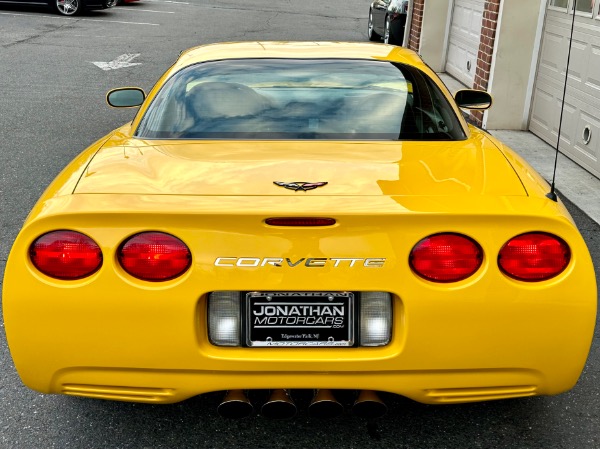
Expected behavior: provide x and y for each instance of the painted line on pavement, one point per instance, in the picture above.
(150, 10)
(168, 1)
(78, 19)
(123, 22)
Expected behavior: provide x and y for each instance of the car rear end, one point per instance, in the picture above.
(379, 246)
(411, 296)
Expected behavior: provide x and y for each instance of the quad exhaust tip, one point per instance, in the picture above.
(369, 405)
(324, 405)
(235, 405)
(279, 406)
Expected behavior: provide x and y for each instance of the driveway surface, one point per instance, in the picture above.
(52, 106)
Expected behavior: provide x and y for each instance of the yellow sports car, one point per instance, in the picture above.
(292, 216)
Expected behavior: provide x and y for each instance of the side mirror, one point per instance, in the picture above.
(473, 99)
(125, 97)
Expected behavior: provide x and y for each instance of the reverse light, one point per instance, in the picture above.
(446, 257)
(534, 256)
(375, 318)
(66, 255)
(154, 256)
(224, 318)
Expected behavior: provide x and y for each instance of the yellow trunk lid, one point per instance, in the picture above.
(355, 168)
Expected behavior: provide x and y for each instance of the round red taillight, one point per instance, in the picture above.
(154, 256)
(66, 255)
(535, 256)
(446, 257)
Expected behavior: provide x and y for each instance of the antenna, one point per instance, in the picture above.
(552, 193)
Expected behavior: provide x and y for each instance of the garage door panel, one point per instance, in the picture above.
(570, 114)
(475, 16)
(589, 116)
(578, 63)
(459, 20)
(463, 42)
(593, 75)
(552, 56)
(457, 58)
(589, 150)
(543, 116)
(582, 102)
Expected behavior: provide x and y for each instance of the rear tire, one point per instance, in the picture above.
(373, 36)
(68, 7)
(387, 33)
(388, 37)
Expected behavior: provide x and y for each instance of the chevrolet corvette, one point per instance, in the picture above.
(281, 217)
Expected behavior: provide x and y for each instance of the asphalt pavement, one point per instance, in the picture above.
(52, 106)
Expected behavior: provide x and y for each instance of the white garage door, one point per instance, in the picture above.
(580, 134)
(463, 42)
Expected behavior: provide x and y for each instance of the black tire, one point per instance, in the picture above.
(388, 36)
(387, 32)
(68, 7)
(373, 36)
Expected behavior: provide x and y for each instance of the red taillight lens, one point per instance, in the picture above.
(446, 257)
(536, 256)
(66, 255)
(154, 256)
(300, 221)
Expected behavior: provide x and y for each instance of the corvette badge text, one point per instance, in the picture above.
(311, 262)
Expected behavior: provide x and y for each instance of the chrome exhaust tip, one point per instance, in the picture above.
(235, 405)
(324, 405)
(279, 406)
(369, 405)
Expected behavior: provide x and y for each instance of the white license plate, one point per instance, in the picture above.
(300, 319)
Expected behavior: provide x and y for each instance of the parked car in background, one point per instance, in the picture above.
(67, 7)
(387, 19)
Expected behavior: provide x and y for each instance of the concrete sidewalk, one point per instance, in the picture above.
(578, 185)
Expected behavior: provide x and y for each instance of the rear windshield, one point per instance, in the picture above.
(300, 99)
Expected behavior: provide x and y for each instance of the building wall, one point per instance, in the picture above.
(486, 44)
(434, 38)
(416, 23)
(514, 63)
(510, 33)
(486, 51)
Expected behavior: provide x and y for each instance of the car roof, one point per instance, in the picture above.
(295, 50)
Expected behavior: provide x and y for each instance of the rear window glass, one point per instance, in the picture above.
(300, 99)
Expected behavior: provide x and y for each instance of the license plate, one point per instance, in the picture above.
(300, 319)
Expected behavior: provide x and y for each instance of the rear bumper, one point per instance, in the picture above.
(168, 386)
(100, 4)
(149, 347)
(113, 336)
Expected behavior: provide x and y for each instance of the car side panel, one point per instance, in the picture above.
(379, 11)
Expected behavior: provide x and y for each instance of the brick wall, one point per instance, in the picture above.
(486, 50)
(416, 23)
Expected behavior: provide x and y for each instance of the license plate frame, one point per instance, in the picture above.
(295, 319)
